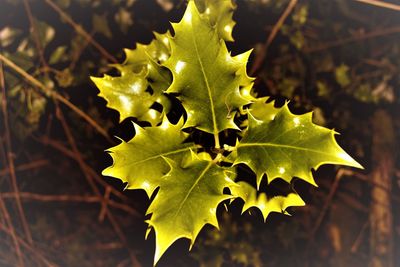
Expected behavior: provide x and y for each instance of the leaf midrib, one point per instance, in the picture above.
(210, 96)
(163, 154)
(282, 146)
(191, 188)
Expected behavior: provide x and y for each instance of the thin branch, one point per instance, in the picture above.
(366, 178)
(25, 196)
(12, 233)
(351, 39)
(55, 95)
(28, 247)
(327, 203)
(10, 159)
(259, 60)
(35, 35)
(75, 57)
(358, 241)
(26, 167)
(380, 4)
(77, 154)
(78, 28)
(89, 178)
(120, 234)
(104, 203)
(67, 152)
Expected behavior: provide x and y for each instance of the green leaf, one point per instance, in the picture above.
(159, 78)
(124, 19)
(158, 50)
(45, 32)
(140, 162)
(261, 110)
(342, 75)
(220, 15)
(8, 35)
(196, 66)
(289, 146)
(59, 54)
(145, 63)
(65, 78)
(187, 200)
(204, 74)
(100, 25)
(127, 94)
(262, 202)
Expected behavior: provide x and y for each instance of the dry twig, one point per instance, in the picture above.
(26, 167)
(56, 96)
(11, 231)
(35, 35)
(70, 198)
(28, 247)
(67, 152)
(89, 178)
(10, 160)
(259, 60)
(352, 39)
(380, 4)
(328, 202)
(78, 28)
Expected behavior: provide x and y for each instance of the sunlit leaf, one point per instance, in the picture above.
(126, 93)
(140, 162)
(253, 199)
(204, 74)
(289, 146)
(187, 200)
(220, 15)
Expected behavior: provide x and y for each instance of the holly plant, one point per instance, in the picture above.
(188, 88)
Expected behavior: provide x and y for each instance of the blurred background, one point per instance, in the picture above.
(338, 58)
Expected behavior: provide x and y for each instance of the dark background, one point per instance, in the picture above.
(338, 58)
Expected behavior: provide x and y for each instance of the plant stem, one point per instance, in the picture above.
(79, 29)
(10, 159)
(55, 95)
(381, 4)
(216, 140)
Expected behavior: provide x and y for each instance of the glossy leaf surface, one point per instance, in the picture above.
(266, 205)
(187, 200)
(220, 15)
(140, 162)
(289, 146)
(204, 74)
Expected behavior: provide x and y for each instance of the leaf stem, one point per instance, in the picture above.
(55, 95)
(217, 142)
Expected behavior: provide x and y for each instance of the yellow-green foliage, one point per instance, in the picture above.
(195, 66)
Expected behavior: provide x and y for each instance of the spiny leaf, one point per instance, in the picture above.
(140, 162)
(212, 85)
(158, 77)
(187, 200)
(220, 15)
(263, 111)
(158, 50)
(260, 110)
(204, 74)
(289, 146)
(127, 94)
(144, 62)
(264, 204)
